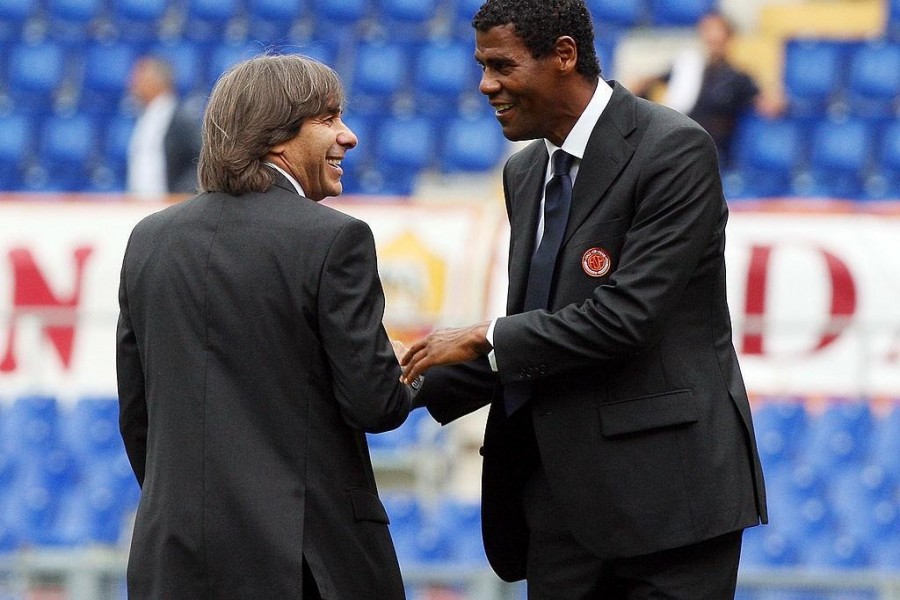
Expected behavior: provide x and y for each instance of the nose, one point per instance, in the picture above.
(488, 84)
(346, 137)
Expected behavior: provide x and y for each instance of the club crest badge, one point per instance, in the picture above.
(596, 262)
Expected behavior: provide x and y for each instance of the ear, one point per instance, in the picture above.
(566, 53)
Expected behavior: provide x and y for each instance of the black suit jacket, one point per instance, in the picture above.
(639, 410)
(251, 361)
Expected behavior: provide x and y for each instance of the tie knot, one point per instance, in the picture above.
(562, 162)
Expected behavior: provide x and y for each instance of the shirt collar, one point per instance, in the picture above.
(293, 181)
(577, 140)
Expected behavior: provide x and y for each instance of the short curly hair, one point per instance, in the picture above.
(541, 22)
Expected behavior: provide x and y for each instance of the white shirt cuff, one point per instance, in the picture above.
(490, 338)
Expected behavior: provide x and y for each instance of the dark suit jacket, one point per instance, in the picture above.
(251, 359)
(181, 145)
(639, 409)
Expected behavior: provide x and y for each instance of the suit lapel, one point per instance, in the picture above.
(607, 153)
(526, 187)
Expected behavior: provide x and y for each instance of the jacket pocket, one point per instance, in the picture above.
(367, 506)
(644, 413)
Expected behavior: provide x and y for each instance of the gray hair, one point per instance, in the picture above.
(256, 105)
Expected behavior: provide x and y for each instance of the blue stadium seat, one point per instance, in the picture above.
(30, 512)
(768, 153)
(408, 11)
(839, 436)
(30, 425)
(16, 143)
(460, 521)
(405, 143)
(813, 75)
(473, 143)
(139, 20)
(885, 448)
(605, 47)
(463, 11)
(841, 154)
(36, 72)
(885, 180)
(115, 137)
(107, 71)
(323, 50)
(273, 19)
(873, 88)
(93, 512)
(13, 16)
(679, 12)
(334, 16)
(763, 547)
(223, 56)
(864, 500)
(208, 20)
(780, 426)
(379, 72)
(617, 13)
(187, 60)
(70, 20)
(886, 555)
(444, 70)
(91, 428)
(840, 552)
(67, 146)
(893, 21)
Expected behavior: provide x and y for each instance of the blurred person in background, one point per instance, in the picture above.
(165, 142)
(705, 86)
(619, 455)
(252, 360)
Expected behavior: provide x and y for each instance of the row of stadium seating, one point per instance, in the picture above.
(141, 20)
(830, 156)
(833, 481)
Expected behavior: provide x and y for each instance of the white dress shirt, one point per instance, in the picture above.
(293, 181)
(146, 152)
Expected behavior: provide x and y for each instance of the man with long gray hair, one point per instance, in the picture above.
(252, 360)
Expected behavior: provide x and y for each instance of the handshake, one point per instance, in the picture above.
(441, 347)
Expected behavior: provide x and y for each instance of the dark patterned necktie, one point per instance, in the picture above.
(557, 201)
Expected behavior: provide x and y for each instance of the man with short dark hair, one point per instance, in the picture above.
(252, 360)
(619, 454)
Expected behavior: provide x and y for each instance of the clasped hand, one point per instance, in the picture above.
(444, 347)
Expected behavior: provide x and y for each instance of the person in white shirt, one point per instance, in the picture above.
(165, 142)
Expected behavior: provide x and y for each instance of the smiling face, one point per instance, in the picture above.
(524, 91)
(313, 157)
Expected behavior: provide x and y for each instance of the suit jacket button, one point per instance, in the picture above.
(481, 451)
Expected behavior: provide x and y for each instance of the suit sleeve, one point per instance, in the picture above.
(452, 391)
(351, 308)
(130, 378)
(677, 228)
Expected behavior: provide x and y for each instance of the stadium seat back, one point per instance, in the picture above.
(71, 20)
(13, 15)
(405, 143)
(208, 20)
(223, 56)
(408, 11)
(445, 69)
(36, 73)
(186, 61)
(874, 79)
(342, 12)
(472, 144)
(618, 13)
(139, 20)
(16, 143)
(273, 19)
(845, 145)
(812, 75)
(679, 12)
(107, 71)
